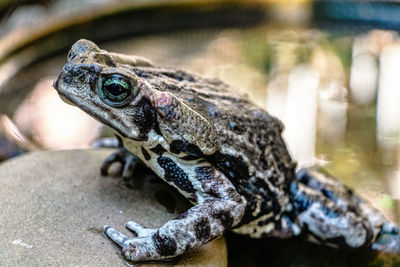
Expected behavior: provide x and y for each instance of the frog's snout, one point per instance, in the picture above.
(55, 82)
(60, 91)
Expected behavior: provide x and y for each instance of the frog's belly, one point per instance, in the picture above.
(161, 161)
(265, 202)
(259, 227)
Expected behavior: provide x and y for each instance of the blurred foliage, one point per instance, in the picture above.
(341, 46)
(263, 46)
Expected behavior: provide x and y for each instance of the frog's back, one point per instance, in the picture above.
(252, 155)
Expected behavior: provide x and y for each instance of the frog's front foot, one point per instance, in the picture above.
(128, 160)
(140, 248)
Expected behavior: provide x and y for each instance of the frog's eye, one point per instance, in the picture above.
(115, 90)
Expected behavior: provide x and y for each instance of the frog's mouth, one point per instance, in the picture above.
(62, 93)
(66, 100)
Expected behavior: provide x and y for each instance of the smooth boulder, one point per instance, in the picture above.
(54, 204)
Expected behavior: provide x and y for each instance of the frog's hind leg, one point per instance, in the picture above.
(328, 212)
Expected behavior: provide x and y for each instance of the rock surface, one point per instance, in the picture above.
(54, 204)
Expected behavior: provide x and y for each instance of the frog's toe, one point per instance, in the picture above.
(387, 242)
(127, 159)
(117, 237)
(139, 229)
(390, 228)
(133, 248)
(131, 162)
(115, 157)
(388, 239)
(129, 251)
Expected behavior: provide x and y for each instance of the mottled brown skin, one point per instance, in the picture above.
(218, 149)
(253, 135)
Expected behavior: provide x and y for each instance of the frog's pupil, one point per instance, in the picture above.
(115, 89)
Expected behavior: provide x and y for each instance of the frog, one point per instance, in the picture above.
(221, 151)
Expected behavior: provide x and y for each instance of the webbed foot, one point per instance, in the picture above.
(128, 160)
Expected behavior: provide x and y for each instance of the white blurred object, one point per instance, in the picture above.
(394, 180)
(276, 96)
(301, 114)
(53, 123)
(363, 78)
(394, 183)
(388, 104)
(332, 109)
(364, 70)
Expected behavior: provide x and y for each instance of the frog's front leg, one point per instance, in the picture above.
(128, 160)
(221, 209)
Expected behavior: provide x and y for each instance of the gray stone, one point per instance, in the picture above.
(53, 205)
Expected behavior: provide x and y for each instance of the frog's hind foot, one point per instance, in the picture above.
(388, 240)
(146, 244)
(330, 213)
(128, 160)
(131, 246)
